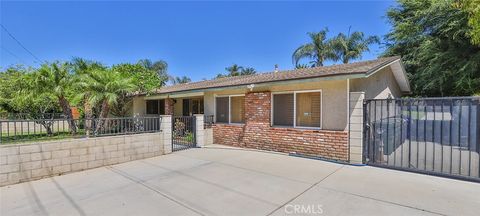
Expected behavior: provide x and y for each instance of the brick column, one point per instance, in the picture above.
(200, 131)
(257, 121)
(355, 127)
(166, 127)
(169, 106)
(257, 108)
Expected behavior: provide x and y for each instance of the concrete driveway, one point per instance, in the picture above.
(213, 181)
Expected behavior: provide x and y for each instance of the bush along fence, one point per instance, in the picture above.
(26, 130)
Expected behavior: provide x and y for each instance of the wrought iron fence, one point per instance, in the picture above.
(439, 136)
(208, 121)
(183, 132)
(18, 116)
(25, 130)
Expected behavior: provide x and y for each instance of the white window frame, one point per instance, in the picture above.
(295, 108)
(229, 107)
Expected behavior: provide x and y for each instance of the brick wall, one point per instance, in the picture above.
(258, 134)
(228, 134)
(25, 162)
(169, 106)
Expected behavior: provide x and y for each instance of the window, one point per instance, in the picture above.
(161, 105)
(297, 109)
(283, 109)
(308, 109)
(237, 109)
(230, 109)
(152, 107)
(197, 106)
(222, 109)
(156, 107)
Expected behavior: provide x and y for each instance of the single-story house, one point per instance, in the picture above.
(311, 111)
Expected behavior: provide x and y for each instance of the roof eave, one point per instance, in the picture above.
(269, 83)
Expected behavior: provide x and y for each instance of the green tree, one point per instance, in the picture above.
(81, 67)
(146, 79)
(237, 70)
(56, 79)
(352, 46)
(11, 82)
(160, 67)
(317, 51)
(433, 39)
(180, 80)
(472, 9)
(248, 71)
(104, 87)
(234, 70)
(301, 66)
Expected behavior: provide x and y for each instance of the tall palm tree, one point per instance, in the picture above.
(318, 50)
(234, 70)
(56, 78)
(103, 87)
(352, 46)
(248, 71)
(180, 80)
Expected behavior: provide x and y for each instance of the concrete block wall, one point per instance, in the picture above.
(200, 130)
(208, 136)
(26, 162)
(166, 128)
(356, 127)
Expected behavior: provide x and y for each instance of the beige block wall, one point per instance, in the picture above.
(356, 127)
(139, 106)
(208, 137)
(178, 107)
(26, 162)
(209, 103)
(378, 85)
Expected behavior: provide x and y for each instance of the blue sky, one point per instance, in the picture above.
(197, 39)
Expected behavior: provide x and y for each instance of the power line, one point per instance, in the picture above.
(12, 54)
(13, 37)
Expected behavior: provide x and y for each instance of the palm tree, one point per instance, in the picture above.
(234, 70)
(317, 51)
(301, 66)
(180, 80)
(56, 78)
(103, 87)
(248, 71)
(351, 47)
(81, 66)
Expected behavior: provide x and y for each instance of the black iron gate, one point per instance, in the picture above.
(183, 132)
(438, 136)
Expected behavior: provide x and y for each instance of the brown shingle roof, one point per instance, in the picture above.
(363, 67)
